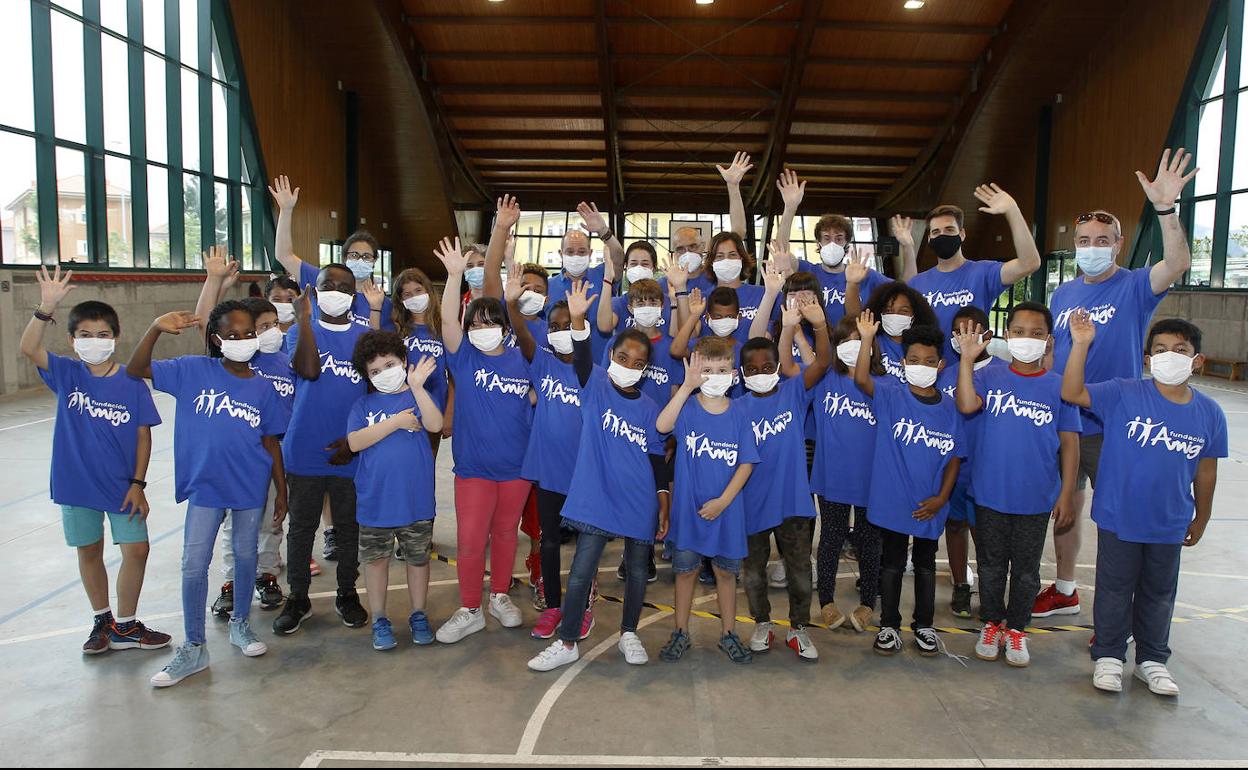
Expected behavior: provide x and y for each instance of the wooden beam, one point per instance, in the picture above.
(671, 21)
(811, 116)
(606, 81)
(681, 158)
(569, 56)
(518, 89)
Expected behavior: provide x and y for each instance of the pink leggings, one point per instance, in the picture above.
(487, 512)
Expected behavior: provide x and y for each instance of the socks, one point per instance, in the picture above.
(1065, 587)
(105, 611)
(123, 621)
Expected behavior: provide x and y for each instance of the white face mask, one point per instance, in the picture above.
(957, 346)
(390, 380)
(647, 316)
(334, 303)
(727, 269)
(271, 340)
(639, 273)
(239, 351)
(475, 276)
(1026, 349)
(848, 352)
(832, 254)
(716, 385)
(1094, 260)
(723, 326)
(531, 303)
(622, 376)
(486, 339)
(691, 261)
(921, 376)
(575, 264)
(94, 350)
(360, 269)
(761, 383)
(1171, 368)
(418, 303)
(560, 342)
(285, 312)
(894, 324)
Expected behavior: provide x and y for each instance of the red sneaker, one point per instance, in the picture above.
(547, 623)
(587, 624)
(314, 568)
(1052, 602)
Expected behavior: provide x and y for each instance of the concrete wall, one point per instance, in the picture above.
(1222, 316)
(137, 298)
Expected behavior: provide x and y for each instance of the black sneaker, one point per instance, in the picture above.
(652, 572)
(268, 592)
(621, 572)
(398, 552)
(707, 576)
(961, 603)
(888, 641)
(224, 604)
(927, 642)
(297, 608)
(97, 642)
(348, 607)
(330, 551)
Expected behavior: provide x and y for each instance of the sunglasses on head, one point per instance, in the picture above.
(1103, 218)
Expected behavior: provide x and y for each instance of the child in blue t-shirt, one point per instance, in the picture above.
(225, 453)
(1026, 444)
(1154, 493)
(715, 454)
(917, 456)
(394, 476)
(897, 307)
(100, 450)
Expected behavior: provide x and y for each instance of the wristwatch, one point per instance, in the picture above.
(142, 484)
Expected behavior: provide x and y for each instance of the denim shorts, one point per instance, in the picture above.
(85, 526)
(377, 543)
(684, 562)
(961, 504)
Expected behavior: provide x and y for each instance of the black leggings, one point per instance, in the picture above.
(549, 517)
(833, 531)
(893, 567)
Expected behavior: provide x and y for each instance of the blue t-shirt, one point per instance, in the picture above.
(892, 357)
(1149, 459)
(422, 343)
(749, 297)
(709, 448)
(778, 488)
(947, 382)
(1121, 308)
(1014, 438)
(704, 281)
(613, 487)
(219, 459)
(844, 439)
(394, 477)
(915, 444)
(95, 442)
(975, 283)
(557, 288)
(275, 367)
(553, 442)
(624, 319)
(833, 287)
(360, 310)
(319, 416)
(493, 416)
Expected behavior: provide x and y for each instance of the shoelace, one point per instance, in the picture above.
(890, 636)
(243, 628)
(1015, 640)
(940, 645)
(990, 633)
(734, 645)
(180, 657)
(556, 647)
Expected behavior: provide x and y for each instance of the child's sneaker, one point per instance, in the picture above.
(1158, 678)
(676, 646)
(383, 635)
(547, 623)
(422, 634)
(555, 656)
(461, 624)
(798, 641)
(330, 551)
(242, 637)
(860, 618)
(268, 592)
(1052, 602)
(961, 603)
(888, 641)
(707, 576)
(224, 604)
(737, 652)
(505, 611)
(1016, 653)
(927, 642)
(347, 605)
(292, 616)
(632, 649)
(133, 635)
(587, 624)
(776, 576)
(833, 618)
(101, 631)
(989, 645)
(760, 640)
(1107, 675)
(314, 569)
(187, 660)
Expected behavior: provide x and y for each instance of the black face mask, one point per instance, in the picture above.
(946, 246)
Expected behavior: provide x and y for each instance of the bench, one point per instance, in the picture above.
(1224, 368)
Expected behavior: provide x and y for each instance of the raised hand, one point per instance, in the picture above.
(813, 313)
(697, 303)
(995, 200)
(53, 288)
(508, 213)
(175, 322)
(867, 326)
(790, 316)
(594, 220)
(694, 375)
(969, 340)
(513, 288)
(781, 256)
(218, 264)
(420, 372)
(856, 267)
(283, 196)
(579, 299)
(452, 256)
(509, 251)
(1082, 327)
(791, 190)
(773, 278)
(608, 271)
(736, 170)
(677, 276)
(901, 228)
(1164, 190)
(373, 293)
(303, 305)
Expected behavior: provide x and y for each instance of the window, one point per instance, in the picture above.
(540, 236)
(130, 163)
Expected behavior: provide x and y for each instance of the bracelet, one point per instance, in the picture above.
(606, 235)
(1166, 212)
(45, 317)
(142, 484)
(608, 281)
(374, 310)
(682, 294)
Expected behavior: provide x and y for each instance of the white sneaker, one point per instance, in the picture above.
(799, 641)
(761, 640)
(776, 578)
(989, 645)
(461, 624)
(555, 656)
(632, 649)
(1016, 653)
(1158, 678)
(507, 613)
(1107, 675)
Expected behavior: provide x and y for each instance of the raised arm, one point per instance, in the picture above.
(582, 351)
(217, 268)
(597, 224)
(789, 320)
(968, 399)
(1162, 192)
(694, 377)
(902, 229)
(52, 291)
(1027, 261)
(694, 306)
(283, 244)
(505, 218)
(733, 175)
(140, 364)
(867, 327)
(791, 192)
(856, 272)
(606, 319)
(678, 287)
(452, 258)
(773, 282)
(524, 337)
(1074, 383)
(305, 359)
(813, 315)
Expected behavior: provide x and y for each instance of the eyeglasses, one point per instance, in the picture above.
(364, 255)
(1103, 218)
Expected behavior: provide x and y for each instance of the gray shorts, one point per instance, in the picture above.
(1089, 458)
(416, 540)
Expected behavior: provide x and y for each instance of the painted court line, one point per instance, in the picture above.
(26, 424)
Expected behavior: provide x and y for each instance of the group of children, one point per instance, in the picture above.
(692, 410)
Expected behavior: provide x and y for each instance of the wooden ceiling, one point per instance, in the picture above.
(633, 102)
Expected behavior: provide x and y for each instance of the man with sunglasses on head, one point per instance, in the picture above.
(1121, 301)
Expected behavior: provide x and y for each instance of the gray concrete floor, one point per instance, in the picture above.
(324, 697)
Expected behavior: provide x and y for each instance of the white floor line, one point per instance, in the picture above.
(27, 424)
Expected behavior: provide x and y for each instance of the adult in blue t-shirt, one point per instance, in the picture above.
(575, 249)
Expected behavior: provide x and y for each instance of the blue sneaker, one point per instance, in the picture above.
(422, 634)
(242, 637)
(383, 635)
(187, 660)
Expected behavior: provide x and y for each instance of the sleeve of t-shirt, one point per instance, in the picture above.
(655, 444)
(307, 275)
(993, 285)
(355, 418)
(1106, 395)
(148, 415)
(1068, 418)
(1216, 446)
(273, 417)
(748, 452)
(1143, 285)
(168, 375)
(54, 375)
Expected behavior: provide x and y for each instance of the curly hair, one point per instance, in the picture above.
(259, 306)
(923, 335)
(213, 327)
(884, 294)
(374, 344)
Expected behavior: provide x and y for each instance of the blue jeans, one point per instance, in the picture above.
(585, 567)
(198, 537)
(1135, 588)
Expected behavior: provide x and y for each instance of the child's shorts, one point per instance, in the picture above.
(416, 540)
(85, 526)
(962, 505)
(684, 562)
